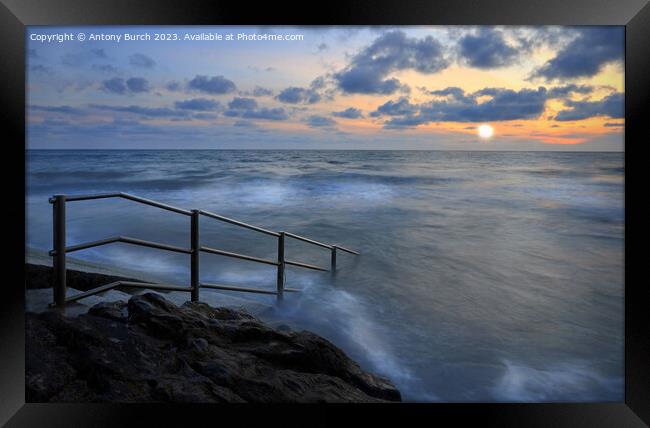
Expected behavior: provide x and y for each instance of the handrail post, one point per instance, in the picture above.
(280, 282)
(195, 255)
(333, 263)
(59, 261)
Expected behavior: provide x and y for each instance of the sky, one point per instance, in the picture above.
(425, 87)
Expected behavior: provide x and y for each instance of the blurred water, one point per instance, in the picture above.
(483, 276)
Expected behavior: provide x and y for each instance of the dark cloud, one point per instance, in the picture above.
(244, 124)
(115, 85)
(322, 47)
(395, 108)
(487, 49)
(259, 91)
(137, 84)
(368, 71)
(58, 109)
(197, 104)
(296, 95)
(406, 121)
(458, 106)
(612, 124)
(566, 90)
(141, 60)
(247, 108)
(349, 113)
(150, 112)
(133, 85)
(611, 106)
(316, 121)
(212, 85)
(452, 91)
(585, 55)
(318, 83)
(264, 113)
(239, 103)
(204, 116)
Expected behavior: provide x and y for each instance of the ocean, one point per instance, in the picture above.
(483, 276)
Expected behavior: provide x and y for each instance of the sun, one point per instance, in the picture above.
(485, 131)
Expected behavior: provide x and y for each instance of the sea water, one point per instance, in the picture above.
(483, 276)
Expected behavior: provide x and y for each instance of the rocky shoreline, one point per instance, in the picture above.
(149, 349)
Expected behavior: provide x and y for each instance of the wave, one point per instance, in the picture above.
(563, 382)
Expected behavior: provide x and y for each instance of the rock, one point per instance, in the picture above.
(148, 349)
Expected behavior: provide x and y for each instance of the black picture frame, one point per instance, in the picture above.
(15, 15)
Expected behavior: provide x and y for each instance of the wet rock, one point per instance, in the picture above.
(148, 349)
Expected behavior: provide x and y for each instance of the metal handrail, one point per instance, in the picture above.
(132, 284)
(305, 265)
(127, 240)
(129, 197)
(59, 251)
(238, 256)
(310, 241)
(238, 223)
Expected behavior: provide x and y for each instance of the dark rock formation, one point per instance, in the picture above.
(152, 350)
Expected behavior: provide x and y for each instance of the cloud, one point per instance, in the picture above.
(57, 109)
(611, 106)
(80, 58)
(566, 90)
(368, 70)
(150, 112)
(349, 113)
(245, 124)
(264, 113)
(239, 103)
(296, 95)
(489, 104)
(585, 55)
(316, 121)
(453, 91)
(204, 116)
(322, 47)
(117, 85)
(395, 108)
(487, 49)
(141, 60)
(247, 108)
(197, 104)
(259, 91)
(137, 84)
(612, 124)
(212, 85)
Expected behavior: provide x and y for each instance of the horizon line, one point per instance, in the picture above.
(327, 149)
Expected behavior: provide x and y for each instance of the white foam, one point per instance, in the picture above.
(569, 381)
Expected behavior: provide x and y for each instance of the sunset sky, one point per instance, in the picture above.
(538, 88)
